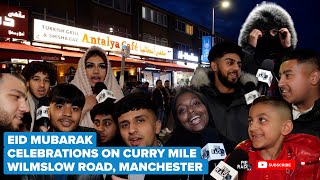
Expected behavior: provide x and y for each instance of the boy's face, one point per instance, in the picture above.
(64, 117)
(139, 128)
(39, 84)
(191, 112)
(295, 81)
(266, 126)
(105, 126)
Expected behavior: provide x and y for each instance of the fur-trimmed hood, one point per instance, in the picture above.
(265, 16)
(201, 77)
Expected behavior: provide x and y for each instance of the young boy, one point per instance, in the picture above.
(270, 122)
(103, 119)
(137, 120)
(138, 125)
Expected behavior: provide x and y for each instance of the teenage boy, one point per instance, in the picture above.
(138, 125)
(270, 122)
(39, 76)
(300, 86)
(104, 122)
(66, 102)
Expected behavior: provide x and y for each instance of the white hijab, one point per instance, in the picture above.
(82, 82)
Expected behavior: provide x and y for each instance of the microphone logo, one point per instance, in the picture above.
(262, 75)
(205, 154)
(244, 165)
(218, 150)
(224, 172)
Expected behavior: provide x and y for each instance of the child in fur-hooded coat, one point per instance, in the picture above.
(82, 82)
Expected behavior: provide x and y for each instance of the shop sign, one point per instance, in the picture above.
(54, 33)
(187, 56)
(206, 46)
(13, 22)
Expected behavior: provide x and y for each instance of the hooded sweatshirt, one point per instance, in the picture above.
(265, 16)
(82, 82)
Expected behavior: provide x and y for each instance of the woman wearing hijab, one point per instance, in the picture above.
(194, 126)
(94, 67)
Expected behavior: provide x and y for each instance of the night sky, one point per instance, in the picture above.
(304, 13)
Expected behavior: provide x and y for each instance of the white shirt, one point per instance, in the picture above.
(296, 113)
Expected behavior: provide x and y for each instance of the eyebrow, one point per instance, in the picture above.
(197, 98)
(285, 72)
(226, 59)
(19, 92)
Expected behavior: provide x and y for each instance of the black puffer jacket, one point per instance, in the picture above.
(308, 123)
(183, 137)
(229, 111)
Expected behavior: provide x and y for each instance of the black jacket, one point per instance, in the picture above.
(308, 123)
(229, 111)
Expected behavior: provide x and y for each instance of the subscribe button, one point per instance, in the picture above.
(276, 165)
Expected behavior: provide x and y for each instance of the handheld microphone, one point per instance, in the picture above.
(265, 76)
(103, 93)
(235, 164)
(213, 151)
(252, 93)
(42, 117)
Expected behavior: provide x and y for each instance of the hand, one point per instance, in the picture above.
(44, 129)
(90, 102)
(254, 35)
(285, 37)
(113, 177)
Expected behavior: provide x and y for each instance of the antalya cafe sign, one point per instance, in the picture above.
(13, 22)
(54, 33)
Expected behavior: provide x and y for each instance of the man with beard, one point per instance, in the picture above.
(39, 76)
(13, 92)
(221, 85)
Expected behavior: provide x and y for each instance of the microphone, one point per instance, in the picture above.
(265, 76)
(235, 164)
(252, 94)
(103, 93)
(213, 151)
(42, 117)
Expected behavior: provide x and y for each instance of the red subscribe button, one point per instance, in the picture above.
(276, 164)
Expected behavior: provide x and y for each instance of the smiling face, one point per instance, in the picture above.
(227, 69)
(105, 126)
(268, 125)
(13, 102)
(191, 112)
(296, 81)
(139, 128)
(96, 69)
(39, 85)
(64, 117)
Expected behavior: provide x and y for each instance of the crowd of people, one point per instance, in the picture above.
(283, 124)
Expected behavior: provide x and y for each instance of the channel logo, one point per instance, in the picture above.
(275, 165)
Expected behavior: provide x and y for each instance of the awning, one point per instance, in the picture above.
(17, 50)
(165, 66)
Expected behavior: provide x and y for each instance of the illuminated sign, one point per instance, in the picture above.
(13, 22)
(54, 33)
(186, 56)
